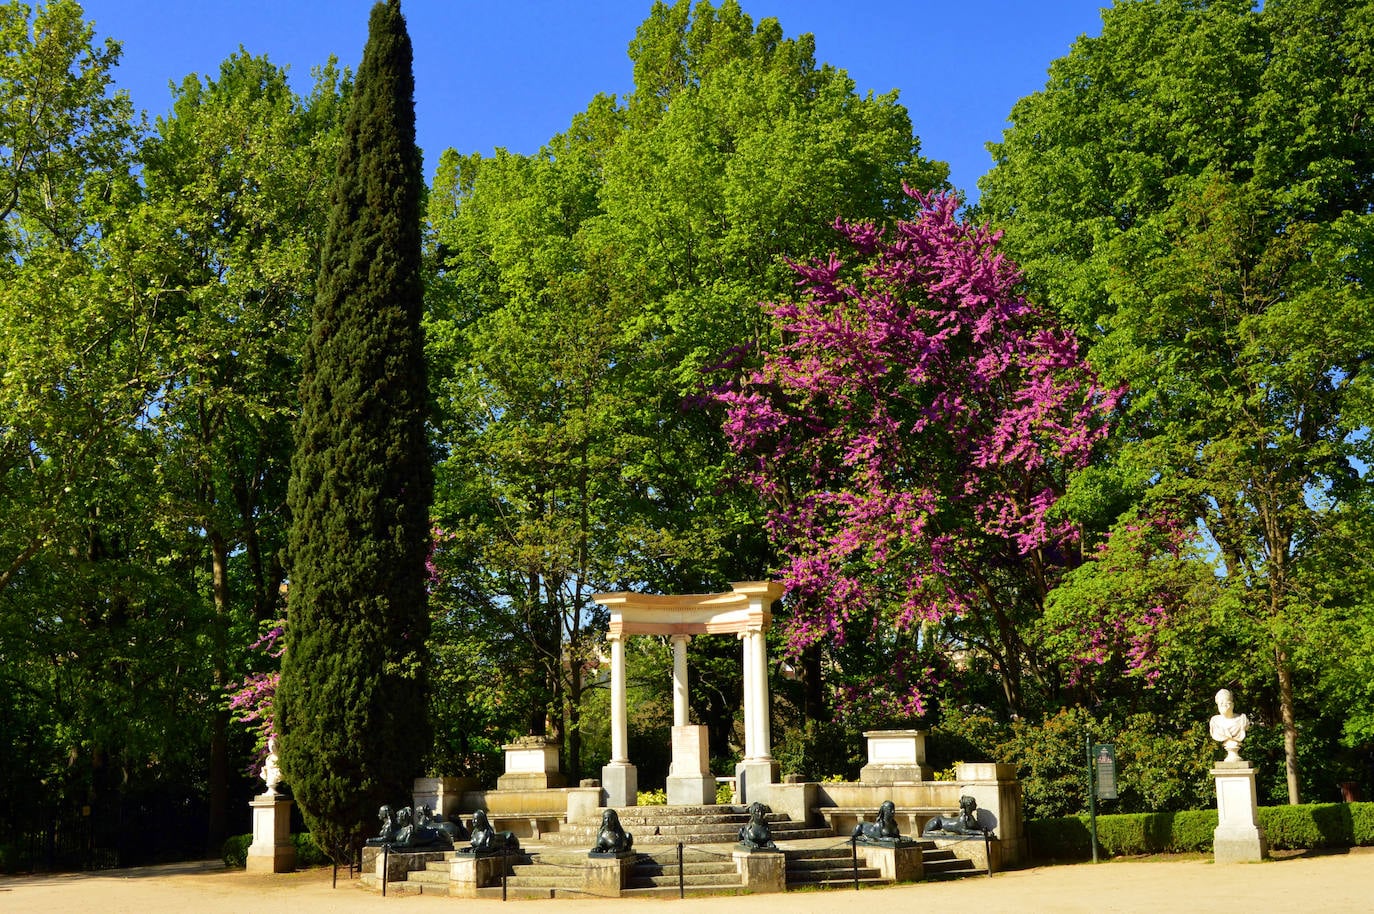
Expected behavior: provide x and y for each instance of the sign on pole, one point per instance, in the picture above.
(1104, 760)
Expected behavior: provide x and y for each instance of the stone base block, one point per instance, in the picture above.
(900, 863)
(754, 778)
(894, 774)
(762, 871)
(604, 877)
(531, 780)
(397, 865)
(271, 850)
(691, 790)
(444, 796)
(985, 855)
(620, 782)
(1239, 845)
(468, 872)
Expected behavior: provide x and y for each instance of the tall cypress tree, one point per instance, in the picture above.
(351, 705)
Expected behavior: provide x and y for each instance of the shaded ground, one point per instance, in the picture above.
(1329, 882)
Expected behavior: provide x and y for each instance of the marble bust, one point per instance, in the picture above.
(1227, 727)
(271, 772)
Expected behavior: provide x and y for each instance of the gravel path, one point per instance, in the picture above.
(1336, 882)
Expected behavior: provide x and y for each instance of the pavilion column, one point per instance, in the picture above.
(619, 716)
(619, 779)
(750, 746)
(680, 680)
(763, 741)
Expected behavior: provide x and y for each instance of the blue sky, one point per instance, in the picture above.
(513, 73)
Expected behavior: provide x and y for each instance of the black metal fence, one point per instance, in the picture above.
(56, 837)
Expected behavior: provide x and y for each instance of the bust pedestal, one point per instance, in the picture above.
(1238, 838)
(271, 850)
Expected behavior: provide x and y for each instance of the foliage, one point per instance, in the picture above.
(1191, 192)
(235, 852)
(1309, 826)
(351, 701)
(652, 798)
(308, 853)
(577, 296)
(921, 355)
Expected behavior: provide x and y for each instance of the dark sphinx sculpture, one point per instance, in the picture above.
(612, 839)
(405, 830)
(755, 835)
(883, 831)
(966, 823)
(487, 840)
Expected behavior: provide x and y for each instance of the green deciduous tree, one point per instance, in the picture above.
(236, 187)
(581, 293)
(1192, 190)
(352, 695)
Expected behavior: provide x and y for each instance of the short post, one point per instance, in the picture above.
(1092, 794)
(386, 866)
(854, 860)
(681, 877)
(505, 869)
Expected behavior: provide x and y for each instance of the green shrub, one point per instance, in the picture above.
(652, 797)
(1061, 838)
(235, 851)
(725, 794)
(1285, 827)
(308, 853)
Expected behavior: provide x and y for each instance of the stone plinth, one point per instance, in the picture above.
(531, 764)
(605, 876)
(469, 872)
(443, 796)
(690, 782)
(271, 850)
(761, 871)
(895, 756)
(620, 783)
(377, 862)
(894, 862)
(1238, 837)
(754, 780)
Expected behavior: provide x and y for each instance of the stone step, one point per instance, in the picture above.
(702, 879)
(691, 891)
(544, 881)
(846, 883)
(428, 876)
(654, 868)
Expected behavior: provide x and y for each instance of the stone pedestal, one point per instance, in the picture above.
(271, 850)
(605, 876)
(443, 796)
(761, 871)
(690, 782)
(1237, 838)
(895, 756)
(531, 764)
(469, 872)
(894, 862)
(755, 779)
(620, 782)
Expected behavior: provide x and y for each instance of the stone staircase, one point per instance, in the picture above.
(668, 825)
(818, 858)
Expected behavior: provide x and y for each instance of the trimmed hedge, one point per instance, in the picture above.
(308, 853)
(1285, 827)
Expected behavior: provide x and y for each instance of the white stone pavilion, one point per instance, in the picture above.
(745, 611)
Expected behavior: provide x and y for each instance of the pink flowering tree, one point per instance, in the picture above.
(252, 702)
(912, 435)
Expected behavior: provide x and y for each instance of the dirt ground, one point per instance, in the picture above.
(1329, 882)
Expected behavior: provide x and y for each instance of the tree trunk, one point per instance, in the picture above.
(1290, 727)
(218, 775)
